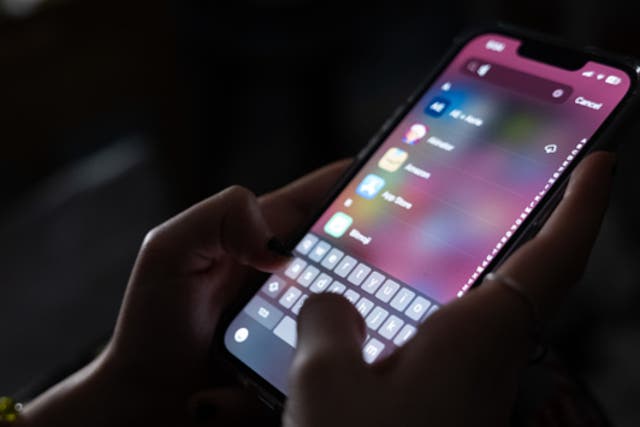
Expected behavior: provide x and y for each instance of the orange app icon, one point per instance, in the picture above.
(393, 159)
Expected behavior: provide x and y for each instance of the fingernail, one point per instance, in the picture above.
(276, 246)
(205, 412)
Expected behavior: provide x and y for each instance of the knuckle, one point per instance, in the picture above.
(152, 241)
(152, 236)
(239, 195)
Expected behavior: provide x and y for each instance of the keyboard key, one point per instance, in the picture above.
(387, 290)
(319, 251)
(337, 288)
(405, 335)
(286, 330)
(306, 244)
(321, 284)
(290, 297)
(358, 274)
(308, 275)
(391, 327)
(417, 308)
(364, 306)
(296, 308)
(263, 312)
(372, 350)
(432, 310)
(373, 282)
(332, 258)
(402, 299)
(295, 268)
(375, 319)
(274, 286)
(345, 266)
(352, 296)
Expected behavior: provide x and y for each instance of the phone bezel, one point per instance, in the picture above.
(603, 139)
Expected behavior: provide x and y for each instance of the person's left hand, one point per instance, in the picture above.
(187, 272)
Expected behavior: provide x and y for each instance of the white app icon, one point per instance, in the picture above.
(600, 76)
(550, 148)
(589, 73)
(613, 80)
(338, 224)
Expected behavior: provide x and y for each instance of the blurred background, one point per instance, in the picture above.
(118, 114)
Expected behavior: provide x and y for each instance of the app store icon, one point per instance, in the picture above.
(370, 186)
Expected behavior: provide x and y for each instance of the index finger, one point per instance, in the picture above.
(287, 208)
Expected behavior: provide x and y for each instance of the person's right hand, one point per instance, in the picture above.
(462, 366)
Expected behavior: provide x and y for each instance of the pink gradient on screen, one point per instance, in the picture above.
(476, 191)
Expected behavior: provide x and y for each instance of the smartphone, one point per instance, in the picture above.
(465, 171)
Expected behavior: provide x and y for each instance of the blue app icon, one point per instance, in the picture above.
(370, 186)
(437, 106)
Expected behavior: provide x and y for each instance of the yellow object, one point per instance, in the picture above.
(9, 411)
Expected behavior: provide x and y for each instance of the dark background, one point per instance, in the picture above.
(117, 114)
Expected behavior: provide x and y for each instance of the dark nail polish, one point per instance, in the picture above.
(205, 412)
(276, 246)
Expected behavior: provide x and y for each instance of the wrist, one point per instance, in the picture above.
(69, 402)
(103, 393)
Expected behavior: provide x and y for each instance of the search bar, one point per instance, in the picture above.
(537, 87)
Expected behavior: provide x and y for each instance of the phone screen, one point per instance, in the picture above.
(436, 202)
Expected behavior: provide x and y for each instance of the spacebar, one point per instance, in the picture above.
(286, 330)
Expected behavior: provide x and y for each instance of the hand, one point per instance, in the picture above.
(186, 273)
(462, 366)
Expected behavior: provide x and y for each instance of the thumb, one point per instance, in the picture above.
(328, 359)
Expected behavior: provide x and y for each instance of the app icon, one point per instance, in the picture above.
(437, 106)
(393, 159)
(370, 186)
(415, 133)
(338, 224)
